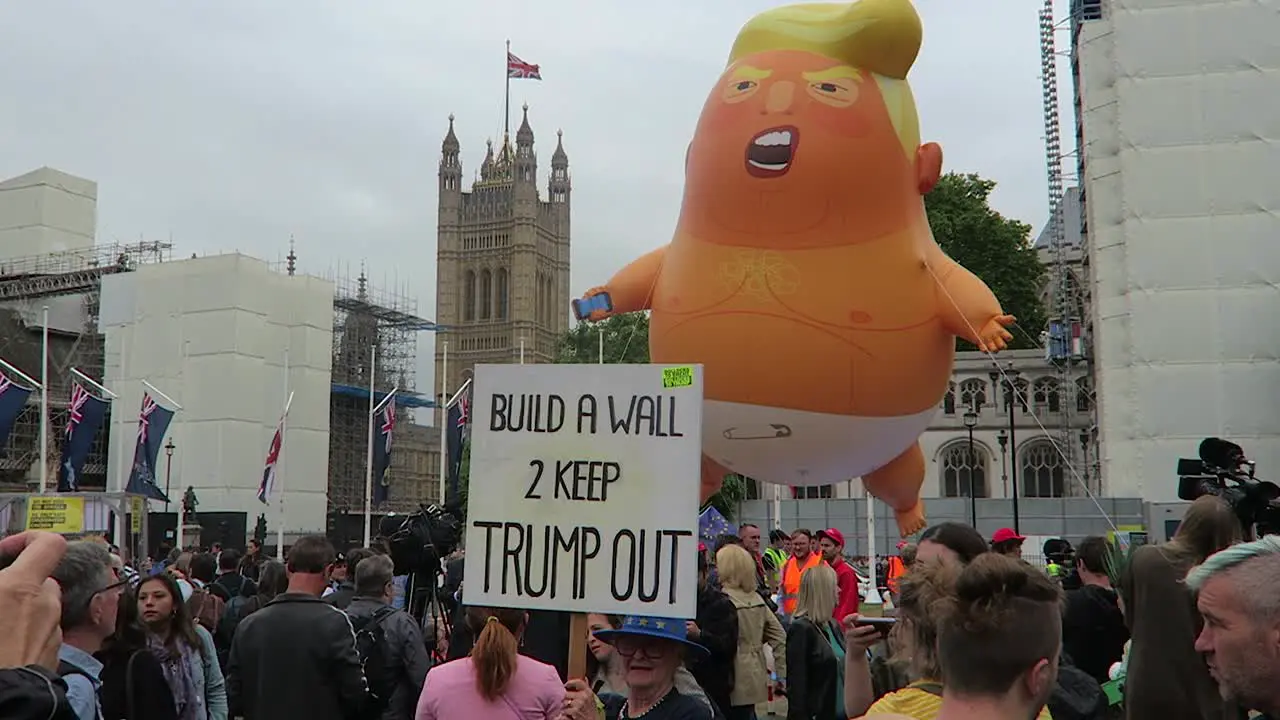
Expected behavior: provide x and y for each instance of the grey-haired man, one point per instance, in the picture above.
(91, 590)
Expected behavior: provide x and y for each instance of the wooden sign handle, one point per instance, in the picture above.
(578, 630)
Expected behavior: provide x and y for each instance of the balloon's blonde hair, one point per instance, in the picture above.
(880, 37)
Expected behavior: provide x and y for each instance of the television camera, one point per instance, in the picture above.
(1223, 470)
(417, 543)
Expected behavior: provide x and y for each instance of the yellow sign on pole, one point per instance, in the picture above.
(56, 514)
(137, 506)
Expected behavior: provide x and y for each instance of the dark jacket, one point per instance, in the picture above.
(33, 693)
(150, 695)
(406, 655)
(718, 622)
(296, 657)
(813, 672)
(233, 584)
(342, 597)
(543, 639)
(1093, 630)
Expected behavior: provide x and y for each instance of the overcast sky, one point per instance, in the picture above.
(234, 124)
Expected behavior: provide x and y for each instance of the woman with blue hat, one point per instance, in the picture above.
(652, 650)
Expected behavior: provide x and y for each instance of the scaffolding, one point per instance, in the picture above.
(71, 282)
(365, 318)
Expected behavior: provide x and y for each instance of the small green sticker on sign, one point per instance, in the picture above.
(674, 377)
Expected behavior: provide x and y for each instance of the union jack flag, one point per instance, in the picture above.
(518, 69)
(144, 418)
(75, 412)
(388, 424)
(382, 453)
(153, 423)
(85, 415)
(13, 398)
(269, 472)
(464, 410)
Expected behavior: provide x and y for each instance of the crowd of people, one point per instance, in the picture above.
(1191, 629)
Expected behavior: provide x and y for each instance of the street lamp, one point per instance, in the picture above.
(971, 421)
(168, 471)
(1009, 383)
(1002, 437)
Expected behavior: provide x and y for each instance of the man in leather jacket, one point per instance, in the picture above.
(296, 657)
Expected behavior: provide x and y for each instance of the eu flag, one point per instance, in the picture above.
(711, 525)
(84, 419)
(153, 422)
(386, 426)
(12, 399)
(456, 427)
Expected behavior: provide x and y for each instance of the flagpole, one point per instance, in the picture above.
(444, 420)
(44, 401)
(368, 465)
(506, 106)
(522, 351)
(284, 425)
(121, 447)
(600, 339)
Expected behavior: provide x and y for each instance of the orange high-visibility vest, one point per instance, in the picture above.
(791, 574)
(895, 570)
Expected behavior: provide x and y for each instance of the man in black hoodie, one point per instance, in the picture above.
(296, 657)
(1093, 629)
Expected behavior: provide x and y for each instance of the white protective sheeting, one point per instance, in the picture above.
(1181, 114)
(212, 333)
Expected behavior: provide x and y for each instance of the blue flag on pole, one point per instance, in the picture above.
(456, 427)
(153, 423)
(385, 428)
(84, 419)
(13, 398)
(711, 525)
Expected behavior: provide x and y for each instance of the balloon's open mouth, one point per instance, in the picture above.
(770, 153)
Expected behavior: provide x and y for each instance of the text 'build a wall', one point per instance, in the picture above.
(584, 487)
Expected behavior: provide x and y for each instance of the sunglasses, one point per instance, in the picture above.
(627, 647)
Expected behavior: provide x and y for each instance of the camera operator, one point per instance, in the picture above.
(1238, 595)
(30, 611)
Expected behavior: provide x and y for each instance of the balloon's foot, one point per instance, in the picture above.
(911, 521)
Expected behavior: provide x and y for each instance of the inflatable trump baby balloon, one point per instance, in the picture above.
(803, 273)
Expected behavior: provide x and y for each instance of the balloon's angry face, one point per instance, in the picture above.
(788, 140)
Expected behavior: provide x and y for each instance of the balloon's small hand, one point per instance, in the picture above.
(994, 336)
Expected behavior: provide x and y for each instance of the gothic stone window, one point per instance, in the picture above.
(1024, 393)
(486, 295)
(1041, 472)
(469, 296)
(973, 394)
(949, 400)
(1084, 395)
(1046, 396)
(504, 298)
(960, 470)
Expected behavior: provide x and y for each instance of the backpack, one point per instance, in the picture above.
(371, 646)
(206, 609)
(232, 614)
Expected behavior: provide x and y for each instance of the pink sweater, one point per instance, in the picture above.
(450, 693)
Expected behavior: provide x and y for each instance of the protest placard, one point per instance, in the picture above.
(583, 488)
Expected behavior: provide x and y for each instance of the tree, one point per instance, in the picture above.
(626, 340)
(732, 493)
(993, 247)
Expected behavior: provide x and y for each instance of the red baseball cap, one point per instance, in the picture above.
(831, 534)
(1005, 535)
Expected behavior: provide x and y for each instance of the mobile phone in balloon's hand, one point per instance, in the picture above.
(583, 307)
